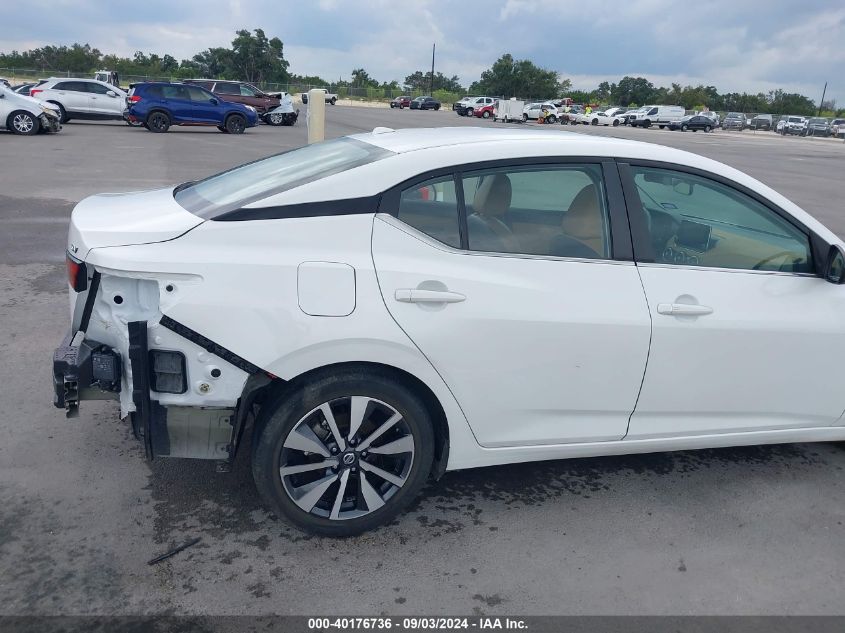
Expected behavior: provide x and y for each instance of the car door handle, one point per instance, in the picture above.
(683, 309)
(417, 295)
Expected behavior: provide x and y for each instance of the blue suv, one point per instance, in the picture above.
(158, 105)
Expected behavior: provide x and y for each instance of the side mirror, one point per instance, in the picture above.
(834, 270)
(111, 93)
(213, 101)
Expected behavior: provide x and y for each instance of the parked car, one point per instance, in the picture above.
(376, 362)
(478, 107)
(817, 126)
(159, 105)
(532, 111)
(693, 122)
(795, 125)
(425, 103)
(761, 122)
(5, 82)
(632, 113)
(600, 118)
(615, 111)
(23, 89)
(24, 115)
(734, 121)
(837, 128)
(401, 102)
(330, 97)
(82, 98)
(461, 103)
(266, 104)
(713, 116)
(659, 115)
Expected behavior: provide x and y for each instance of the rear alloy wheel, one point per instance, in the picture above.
(486, 115)
(275, 118)
(707, 128)
(158, 122)
(23, 122)
(684, 127)
(235, 124)
(344, 454)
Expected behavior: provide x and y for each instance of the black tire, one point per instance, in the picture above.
(486, 115)
(647, 123)
(63, 117)
(615, 122)
(550, 119)
(158, 122)
(333, 100)
(707, 128)
(23, 123)
(594, 122)
(235, 124)
(401, 107)
(281, 416)
(685, 127)
(275, 119)
(661, 127)
(437, 107)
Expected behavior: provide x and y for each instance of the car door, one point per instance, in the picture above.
(744, 332)
(176, 99)
(103, 100)
(515, 281)
(74, 96)
(205, 107)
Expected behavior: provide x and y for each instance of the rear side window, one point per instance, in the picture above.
(432, 207)
(71, 86)
(227, 89)
(174, 92)
(217, 195)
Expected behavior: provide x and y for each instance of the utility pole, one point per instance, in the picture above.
(821, 103)
(431, 86)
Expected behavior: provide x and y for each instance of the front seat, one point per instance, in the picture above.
(486, 226)
(583, 228)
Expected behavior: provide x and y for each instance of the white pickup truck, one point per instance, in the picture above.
(330, 96)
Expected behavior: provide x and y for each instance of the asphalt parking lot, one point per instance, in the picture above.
(756, 530)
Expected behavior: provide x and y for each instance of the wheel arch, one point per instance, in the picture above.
(279, 388)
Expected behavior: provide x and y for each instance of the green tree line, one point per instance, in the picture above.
(255, 57)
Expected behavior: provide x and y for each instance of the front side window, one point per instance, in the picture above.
(246, 91)
(432, 207)
(695, 221)
(217, 195)
(557, 211)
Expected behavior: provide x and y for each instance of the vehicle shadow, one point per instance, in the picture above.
(190, 496)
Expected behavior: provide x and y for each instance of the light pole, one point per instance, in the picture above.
(431, 85)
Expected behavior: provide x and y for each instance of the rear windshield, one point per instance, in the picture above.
(217, 195)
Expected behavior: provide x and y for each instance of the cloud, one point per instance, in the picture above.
(733, 46)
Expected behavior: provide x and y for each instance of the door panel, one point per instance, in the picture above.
(761, 360)
(536, 350)
(745, 336)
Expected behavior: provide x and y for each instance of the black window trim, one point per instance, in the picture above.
(643, 251)
(621, 246)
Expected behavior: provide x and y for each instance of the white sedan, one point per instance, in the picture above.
(533, 110)
(600, 118)
(392, 305)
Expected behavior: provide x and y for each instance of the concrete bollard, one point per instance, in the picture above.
(315, 118)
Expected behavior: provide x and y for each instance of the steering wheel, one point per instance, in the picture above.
(762, 263)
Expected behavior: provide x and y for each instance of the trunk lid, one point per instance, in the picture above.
(124, 219)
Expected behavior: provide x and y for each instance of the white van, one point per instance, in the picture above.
(508, 110)
(25, 115)
(659, 115)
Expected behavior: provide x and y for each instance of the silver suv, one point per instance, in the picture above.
(82, 98)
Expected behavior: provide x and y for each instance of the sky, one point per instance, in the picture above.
(751, 46)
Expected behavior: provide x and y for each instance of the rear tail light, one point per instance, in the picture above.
(134, 99)
(77, 274)
(167, 372)
(35, 91)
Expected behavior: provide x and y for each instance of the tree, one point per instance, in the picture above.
(420, 81)
(633, 90)
(361, 79)
(213, 62)
(255, 58)
(517, 78)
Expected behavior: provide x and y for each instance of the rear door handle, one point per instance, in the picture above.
(416, 295)
(683, 309)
